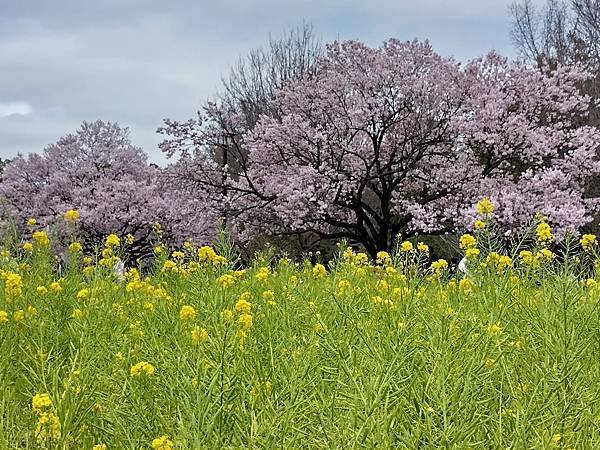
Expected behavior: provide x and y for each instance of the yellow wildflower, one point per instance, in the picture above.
(485, 206)
(407, 247)
(527, 257)
(243, 306)
(48, 426)
(226, 280)
(465, 285)
(162, 443)
(472, 253)
(439, 265)
(72, 216)
(187, 313)
(31, 222)
(544, 233)
(3, 316)
(199, 335)
(588, 241)
(245, 320)
(75, 247)
(28, 246)
(83, 294)
(142, 368)
(383, 258)
(319, 270)
(262, 274)
(13, 284)
(494, 328)
(206, 254)
(40, 402)
(467, 241)
(40, 238)
(129, 239)
(112, 240)
(479, 225)
(545, 254)
(77, 313)
(489, 362)
(362, 258)
(422, 247)
(228, 315)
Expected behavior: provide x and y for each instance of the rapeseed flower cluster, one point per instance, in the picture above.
(48, 426)
(142, 368)
(13, 284)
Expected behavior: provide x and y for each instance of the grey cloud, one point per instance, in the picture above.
(138, 61)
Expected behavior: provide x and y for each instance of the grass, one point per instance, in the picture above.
(361, 355)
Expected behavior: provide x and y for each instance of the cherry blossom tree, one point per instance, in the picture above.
(96, 171)
(377, 142)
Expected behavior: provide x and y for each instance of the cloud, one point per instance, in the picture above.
(138, 61)
(15, 108)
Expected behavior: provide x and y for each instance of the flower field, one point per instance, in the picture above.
(395, 352)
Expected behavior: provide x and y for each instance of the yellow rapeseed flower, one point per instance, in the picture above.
(13, 284)
(142, 368)
(528, 257)
(407, 247)
(187, 313)
(226, 280)
(494, 328)
(47, 427)
(439, 265)
(588, 241)
(40, 403)
(544, 233)
(72, 216)
(467, 241)
(19, 315)
(75, 247)
(472, 253)
(245, 320)
(422, 247)
(162, 443)
(243, 306)
(319, 271)
(262, 274)
(479, 225)
(199, 335)
(206, 254)
(383, 258)
(112, 240)
(485, 206)
(40, 238)
(42, 290)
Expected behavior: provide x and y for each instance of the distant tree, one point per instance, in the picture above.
(96, 171)
(214, 139)
(373, 143)
(561, 33)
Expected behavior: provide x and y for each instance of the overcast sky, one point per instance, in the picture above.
(139, 61)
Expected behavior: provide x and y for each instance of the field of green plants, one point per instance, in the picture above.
(397, 351)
